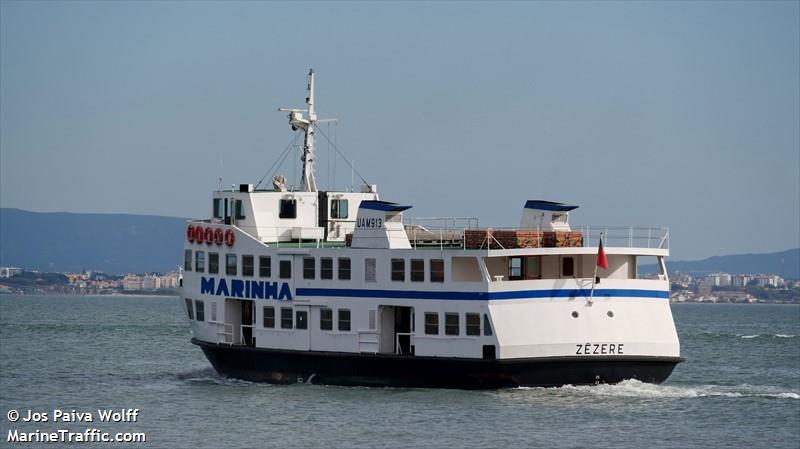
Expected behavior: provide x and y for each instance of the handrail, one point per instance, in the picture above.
(241, 332)
(398, 349)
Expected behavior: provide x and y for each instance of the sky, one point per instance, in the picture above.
(677, 114)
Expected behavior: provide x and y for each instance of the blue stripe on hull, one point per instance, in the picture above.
(481, 296)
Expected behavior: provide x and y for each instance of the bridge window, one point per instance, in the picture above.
(217, 208)
(487, 326)
(451, 324)
(200, 261)
(285, 269)
(214, 311)
(288, 209)
(230, 264)
(269, 317)
(398, 269)
(187, 260)
(213, 263)
(567, 266)
(473, 324)
(431, 323)
(200, 310)
(247, 265)
(339, 209)
(344, 268)
(301, 319)
(369, 270)
(309, 268)
(238, 209)
(326, 319)
(344, 319)
(286, 317)
(437, 270)
(189, 308)
(417, 270)
(264, 266)
(326, 268)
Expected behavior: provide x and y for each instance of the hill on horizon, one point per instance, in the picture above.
(112, 243)
(785, 264)
(125, 243)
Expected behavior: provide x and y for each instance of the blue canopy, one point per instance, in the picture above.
(548, 205)
(382, 205)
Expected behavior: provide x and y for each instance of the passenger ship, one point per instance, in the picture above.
(334, 287)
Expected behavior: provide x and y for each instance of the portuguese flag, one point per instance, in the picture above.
(602, 260)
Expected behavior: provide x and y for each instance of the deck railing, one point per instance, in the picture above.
(449, 232)
(626, 236)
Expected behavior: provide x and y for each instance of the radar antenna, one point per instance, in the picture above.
(307, 124)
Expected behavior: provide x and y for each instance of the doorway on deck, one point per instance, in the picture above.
(240, 316)
(396, 330)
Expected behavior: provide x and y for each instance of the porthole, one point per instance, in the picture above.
(574, 314)
(610, 314)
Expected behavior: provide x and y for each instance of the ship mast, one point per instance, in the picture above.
(297, 121)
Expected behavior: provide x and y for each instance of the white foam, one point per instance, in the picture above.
(784, 335)
(751, 336)
(636, 389)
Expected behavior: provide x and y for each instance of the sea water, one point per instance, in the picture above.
(79, 355)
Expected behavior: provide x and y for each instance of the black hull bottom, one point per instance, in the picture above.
(334, 368)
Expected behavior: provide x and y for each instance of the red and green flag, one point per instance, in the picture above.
(602, 260)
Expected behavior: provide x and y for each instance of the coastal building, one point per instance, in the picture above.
(7, 272)
(741, 280)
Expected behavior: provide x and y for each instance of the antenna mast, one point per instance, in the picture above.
(297, 121)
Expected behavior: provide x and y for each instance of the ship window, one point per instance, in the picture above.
(369, 270)
(308, 268)
(214, 311)
(473, 321)
(189, 308)
(326, 319)
(431, 323)
(285, 269)
(200, 261)
(437, 270)
(344, 268)
(230, 264)
(487, 326)
(213, 263)
(344, 319)
(567, 266)
(187, 260)
(301, 319)
(269, 317)
(398, 269)
(533, 267)
(326, 268)
(247, 265)
(199, 310)
(264, 266)
(286, 317)
(514, 268)
(417, 270)
(238, 209)
(288, 209)
(217, 208)
(451, 324)
(339, 209)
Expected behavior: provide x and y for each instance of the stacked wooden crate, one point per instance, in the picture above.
(521, 238)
